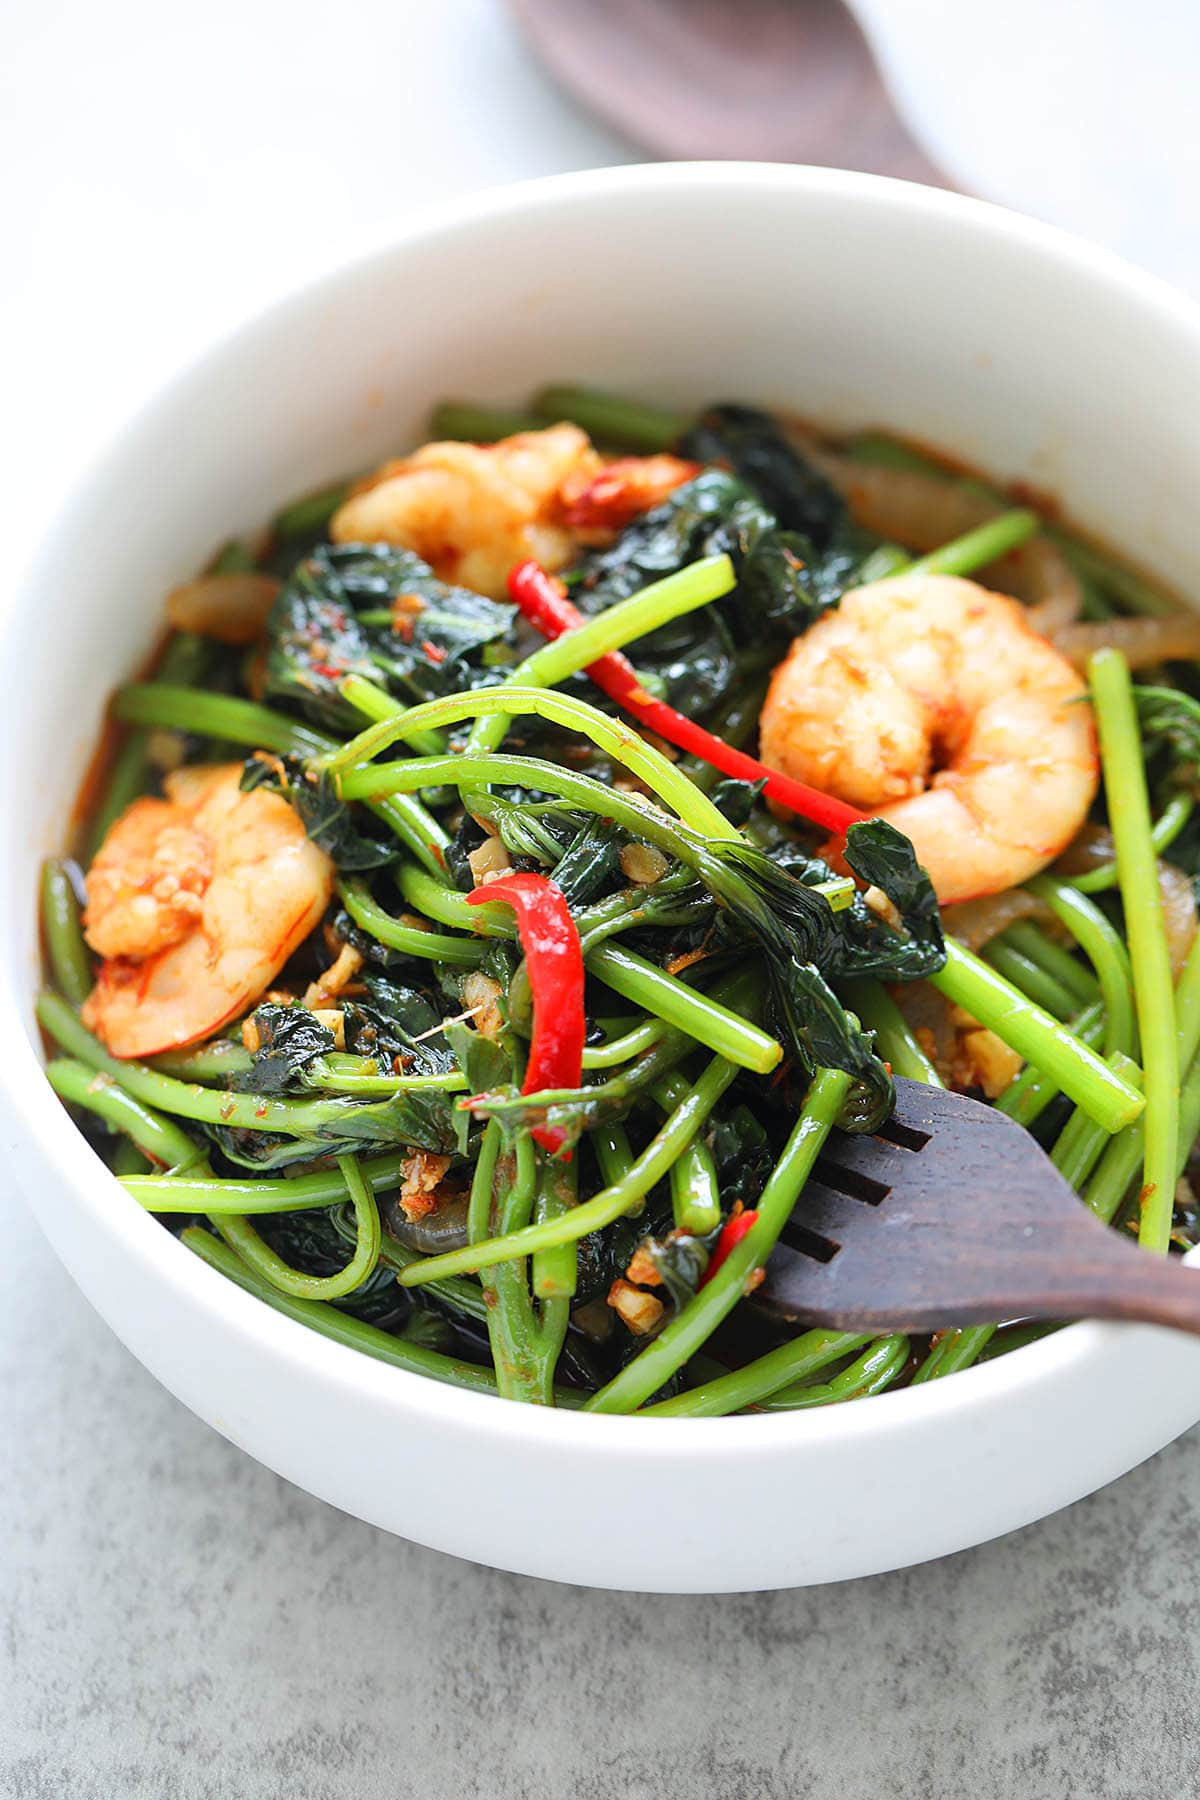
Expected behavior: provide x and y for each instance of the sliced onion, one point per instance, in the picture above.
(232, 608)
(445, 1228)
(1141, 641)
(921, 511)
(1179, 912)
(926, 511)
(976, 922)
(1092, 849)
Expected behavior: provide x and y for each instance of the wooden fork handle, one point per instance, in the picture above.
(1103, 1277)
(1154, 1290)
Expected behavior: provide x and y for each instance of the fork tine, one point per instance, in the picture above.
(871, 1159)
(822, 1210)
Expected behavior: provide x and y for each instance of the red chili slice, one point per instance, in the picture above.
(550, 939)
(542, 600)
(732, 1233)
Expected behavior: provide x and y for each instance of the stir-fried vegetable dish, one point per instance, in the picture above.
(525, 855)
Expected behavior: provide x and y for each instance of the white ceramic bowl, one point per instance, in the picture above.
(857, 301)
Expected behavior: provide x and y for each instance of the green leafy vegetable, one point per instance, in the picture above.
(399, 1025)
(784, 580)
(884, 858)
(1170, 725)
(680, 1261)
(289, 1040)
(750, 444)
(330, 821)
(483, 1062)
(312, 1242)
(374, 610)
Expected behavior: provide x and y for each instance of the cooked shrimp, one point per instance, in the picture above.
(473, 510)
(931, 702)
(631, 485)
(196, 902)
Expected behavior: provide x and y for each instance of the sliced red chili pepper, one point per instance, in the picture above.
(732, 1233)
(553, 956)
(543, 602)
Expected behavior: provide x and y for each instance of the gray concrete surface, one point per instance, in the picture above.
(179, 1623)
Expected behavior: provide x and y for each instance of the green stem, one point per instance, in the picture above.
(554, 1273)
(715, 1026)
(1031, 1092)
(1033, 1034)
(70, 962)
(1104, 947)
(1187, 1007)
(888, 560)
(767, 1376)
(954, 1350)
(226, 717)
(411, 940)
(468, 423)
(1057, 959)
(235, 721)
(695, 1322)
(375, 704)
(878, 1366)
(1030, 977)
(1082, 1142)
(1129, 820)
(269, 1194)
(624, 424)
(355, 1334)
(126, 1158)
(602, 1209)
(894, 1040)
(241, 1236)
(625, 1048)
(157, 1138)
(1166, 828)
(233, 558)
(463, 1296)
(614, 1152)
(1123, 1157)
(310, 514)
(431, 897)
(695, 1196)
(510, 1319)
(684, 591)
(618, 741)
(976, 549)
(220, 1060)
(213, 1106)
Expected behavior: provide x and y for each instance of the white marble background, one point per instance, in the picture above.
(177, 1621)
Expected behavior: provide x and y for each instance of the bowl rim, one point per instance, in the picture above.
(37, 1115)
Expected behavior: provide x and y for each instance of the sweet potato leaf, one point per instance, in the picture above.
(378, 611)
(1170, 725)
(884, 858)
(783, 582)
(750, 444)
(399, 1026)
(336, 825)
(290, 1038)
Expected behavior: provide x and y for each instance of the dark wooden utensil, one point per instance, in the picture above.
(768, 80)
(952, 1215)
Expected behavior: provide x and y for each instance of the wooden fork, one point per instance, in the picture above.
(952, 1215)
